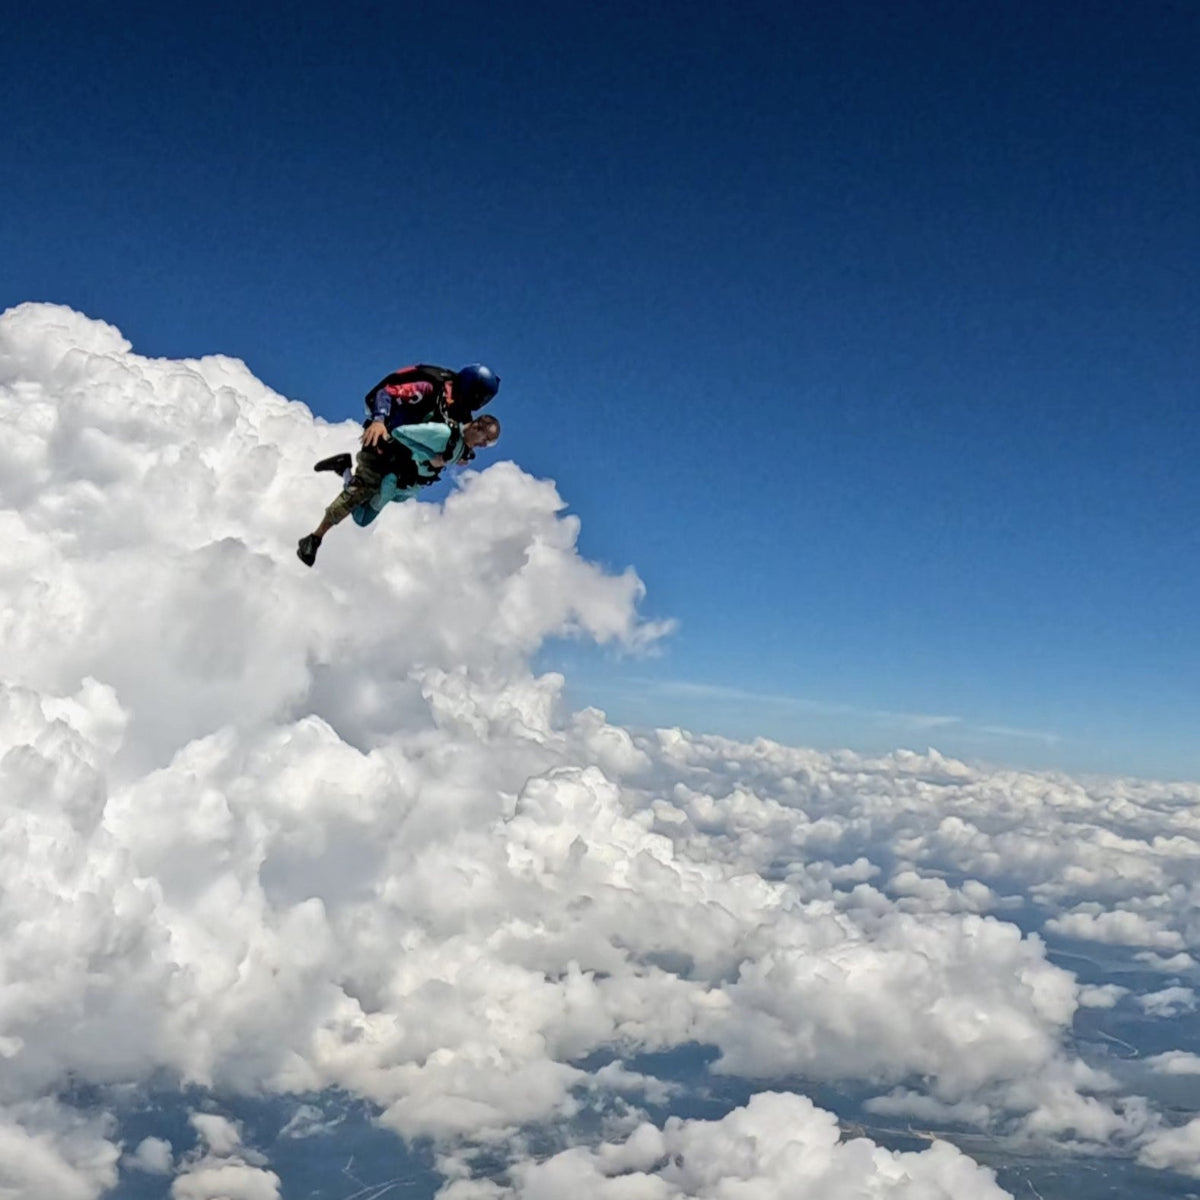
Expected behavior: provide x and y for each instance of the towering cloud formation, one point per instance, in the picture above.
(271, 829)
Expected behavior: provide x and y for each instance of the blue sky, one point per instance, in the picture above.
(867, 333)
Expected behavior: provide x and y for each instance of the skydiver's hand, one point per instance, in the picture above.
(374, 433)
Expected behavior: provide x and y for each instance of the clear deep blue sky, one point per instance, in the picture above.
(866, 332)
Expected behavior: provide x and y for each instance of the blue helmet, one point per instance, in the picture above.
(475, 385)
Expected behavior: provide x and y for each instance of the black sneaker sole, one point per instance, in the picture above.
(337, 462)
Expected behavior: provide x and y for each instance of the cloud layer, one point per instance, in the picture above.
(270, 829)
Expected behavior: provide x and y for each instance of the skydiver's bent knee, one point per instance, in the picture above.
(368, 474)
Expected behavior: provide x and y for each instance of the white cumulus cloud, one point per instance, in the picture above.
(276, 830)
(1175, 1062)
(1175, 1149)
(46, 1149)
(153, 1155)
(1169, 1002)
(776, 1147)
(221, 1168)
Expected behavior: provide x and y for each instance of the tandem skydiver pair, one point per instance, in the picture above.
(420, 420)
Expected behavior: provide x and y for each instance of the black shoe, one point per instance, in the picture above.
(339, 463)
(306, 551)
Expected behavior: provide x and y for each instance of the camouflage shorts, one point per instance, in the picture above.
(369, 469)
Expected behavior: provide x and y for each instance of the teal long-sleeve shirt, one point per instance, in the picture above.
(426, 441)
